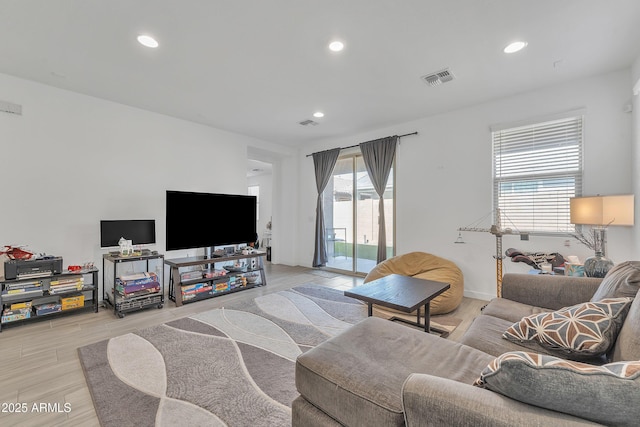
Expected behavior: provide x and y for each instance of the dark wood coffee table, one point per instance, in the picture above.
(402, 293)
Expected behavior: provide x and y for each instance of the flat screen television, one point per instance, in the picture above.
(205, 220)
(139, 231)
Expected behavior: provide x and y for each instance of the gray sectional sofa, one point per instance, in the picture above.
(381, 373)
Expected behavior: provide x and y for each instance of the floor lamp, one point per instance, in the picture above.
(600, 212)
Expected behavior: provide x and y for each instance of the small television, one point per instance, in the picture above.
(139, 231)
(205, 220)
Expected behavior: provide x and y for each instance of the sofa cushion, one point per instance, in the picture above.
(607, 394)
(356, 377)
(485, 334)
(305, 414)
(623, 280)
(552, 292)
(583, 331)
(627, 346)
(510, 310)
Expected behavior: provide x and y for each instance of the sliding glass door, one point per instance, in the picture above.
(351, 217)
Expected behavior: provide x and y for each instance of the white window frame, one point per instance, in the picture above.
(537, 168)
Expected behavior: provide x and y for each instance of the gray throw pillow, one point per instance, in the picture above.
(623, 280)
(581, 332)
(606, 394)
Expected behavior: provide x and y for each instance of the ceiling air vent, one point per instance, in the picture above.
(309, 123)
(438, 78)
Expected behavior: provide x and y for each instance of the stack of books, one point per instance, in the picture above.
(222, 287)
(66, 284)
(192, 291)
(31, 288)
(48, 308)
(16, 311)
(237, 282)
(68, 303)
(137, 284)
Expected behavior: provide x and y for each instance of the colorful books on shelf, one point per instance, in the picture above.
(16, 312)
(70, 302)
(141, 288)
(19, 305)
(67, 284)
(48, 308)
(192, 291)
(141, 293)
(237, 282)
(23, 285)
(137, 284)
(222, 287)
(23, 289)
(196, 288)
(138, 278)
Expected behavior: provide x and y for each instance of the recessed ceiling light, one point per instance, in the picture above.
(336, 46)
(515, 46)
(147, 41)
(318, 114)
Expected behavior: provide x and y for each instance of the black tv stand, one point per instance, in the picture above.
(219, 285)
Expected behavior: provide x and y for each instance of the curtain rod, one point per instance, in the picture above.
(357, 145)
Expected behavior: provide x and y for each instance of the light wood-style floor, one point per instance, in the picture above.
(39, 361)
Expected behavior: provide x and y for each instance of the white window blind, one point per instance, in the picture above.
(537, 169)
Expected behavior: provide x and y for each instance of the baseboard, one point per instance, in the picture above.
(479, 295)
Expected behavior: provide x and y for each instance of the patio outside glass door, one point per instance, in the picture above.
(351, 217)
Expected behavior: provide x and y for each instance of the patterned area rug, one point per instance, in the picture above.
(232, 366)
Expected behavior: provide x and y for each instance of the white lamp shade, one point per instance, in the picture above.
(602, 210)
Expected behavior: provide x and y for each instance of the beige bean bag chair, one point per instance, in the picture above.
(426, 266)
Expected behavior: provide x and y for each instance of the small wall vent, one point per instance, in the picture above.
(308, 123)
(438, 78)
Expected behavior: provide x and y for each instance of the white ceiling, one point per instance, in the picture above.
(259, 67)
(257, 168)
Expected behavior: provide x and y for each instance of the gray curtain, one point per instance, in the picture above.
(323, 162)
(378, 157)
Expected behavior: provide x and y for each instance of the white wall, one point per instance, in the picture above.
(265, 182)
(285, 211)
(284, 201)
(444, 176)
(635, 153)
(71, 160)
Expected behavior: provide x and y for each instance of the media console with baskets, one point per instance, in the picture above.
(196, 278)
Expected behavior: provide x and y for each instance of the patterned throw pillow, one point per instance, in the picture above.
(623, 280)
(583, 331)
(606, 394)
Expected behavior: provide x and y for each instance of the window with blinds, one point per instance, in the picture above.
(537, 169)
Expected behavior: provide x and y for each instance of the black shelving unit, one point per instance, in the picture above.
(45, 296)
(120, 304)
(209, 264)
